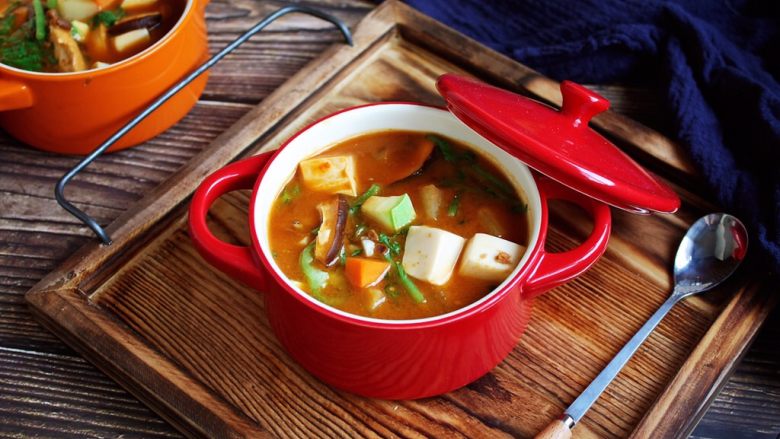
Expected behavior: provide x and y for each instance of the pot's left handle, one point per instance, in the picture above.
(234, 260)
(14, 95)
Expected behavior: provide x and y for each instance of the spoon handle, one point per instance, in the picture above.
(581, 405)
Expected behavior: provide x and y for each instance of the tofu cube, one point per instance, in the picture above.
(430, 254)
(490, 258)
(335, 175)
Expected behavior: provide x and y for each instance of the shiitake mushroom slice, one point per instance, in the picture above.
(148, 20)
(330, 236)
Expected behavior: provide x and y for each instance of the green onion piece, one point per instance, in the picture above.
(51, 4)
(393, 246)
(452, 210)
(445, 148)
(316, 279)
(490, 178)
(290, 193)
(40, 21)
(410, 287)
(343, 257)
(356, 252)
(370, 192)
(407, 283)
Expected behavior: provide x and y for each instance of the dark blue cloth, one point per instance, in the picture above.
(718, 61)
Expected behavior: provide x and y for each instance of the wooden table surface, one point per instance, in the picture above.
(48, 390)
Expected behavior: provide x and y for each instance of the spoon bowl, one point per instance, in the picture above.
(710, 252)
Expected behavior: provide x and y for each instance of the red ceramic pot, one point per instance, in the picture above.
(384, 358)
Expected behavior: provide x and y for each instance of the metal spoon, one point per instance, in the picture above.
(709, 253)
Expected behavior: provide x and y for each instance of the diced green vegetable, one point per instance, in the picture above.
(392, 213)
(452, 210)
(79, 30)
(370, 192)
(40, 20)
(316, 279)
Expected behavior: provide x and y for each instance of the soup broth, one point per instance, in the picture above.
(399, 217)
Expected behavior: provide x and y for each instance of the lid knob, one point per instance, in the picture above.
(581, 104)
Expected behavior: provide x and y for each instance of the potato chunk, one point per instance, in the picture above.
(81, 10)
(490, 258)
(334, 175)
(131, 39)
(132, 4)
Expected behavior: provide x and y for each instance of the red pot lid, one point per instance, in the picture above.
(556, 143)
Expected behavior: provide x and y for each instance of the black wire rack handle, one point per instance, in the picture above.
(59, 190)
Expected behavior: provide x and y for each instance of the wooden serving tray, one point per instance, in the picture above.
(197, 348)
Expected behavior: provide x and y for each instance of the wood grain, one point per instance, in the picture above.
(33, 401)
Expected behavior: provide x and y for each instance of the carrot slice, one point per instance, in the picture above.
(365, 272)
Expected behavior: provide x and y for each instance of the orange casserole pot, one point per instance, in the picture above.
(73, 113)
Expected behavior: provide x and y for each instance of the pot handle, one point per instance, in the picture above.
(234, 260)
(555, 269)
(14, 95)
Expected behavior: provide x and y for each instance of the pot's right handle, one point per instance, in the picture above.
(554, 269)
(234, 260)
(14, 95)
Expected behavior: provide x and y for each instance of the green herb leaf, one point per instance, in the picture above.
(393, 246)
(7, 22)
(109, 18)
(25, 55)
(290, 193)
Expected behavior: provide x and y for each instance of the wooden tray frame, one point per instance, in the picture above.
(62, 299)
